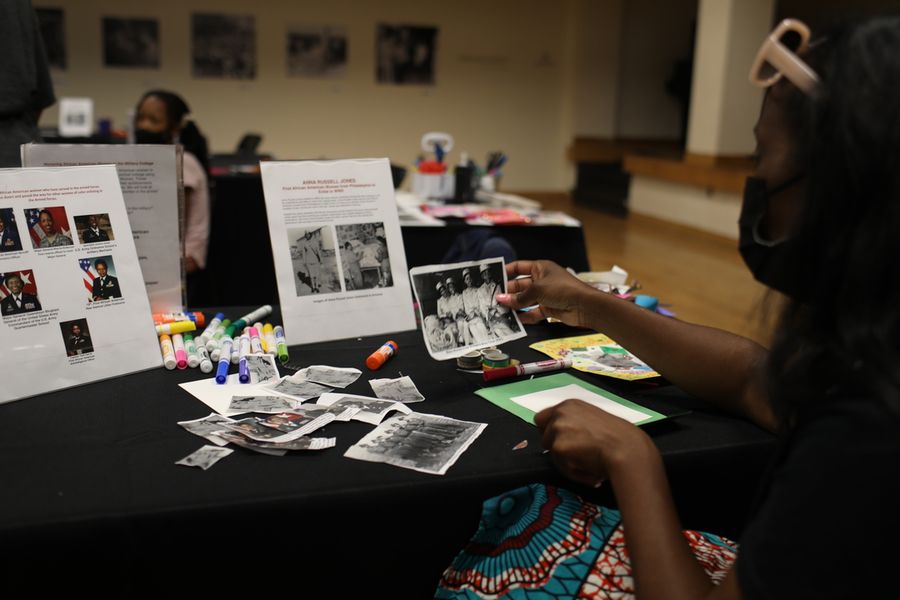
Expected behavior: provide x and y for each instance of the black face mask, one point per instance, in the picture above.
(142, 136)
(769, 261)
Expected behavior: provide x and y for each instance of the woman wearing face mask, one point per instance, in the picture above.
(819, 223)
(160, 119)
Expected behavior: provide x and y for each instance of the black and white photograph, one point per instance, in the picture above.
(207, 427)
(339, 377)
(459, 310)
(401, 389)
(205, 457)
(302, 390)
(316, 51)
(314, 260)
(130, 42)
(262, 368)
(262, 404)
(405, 54)
(364, 256)
(426, 443)
(76, 337)
(369, 410)
(52, 22)
(223, 46)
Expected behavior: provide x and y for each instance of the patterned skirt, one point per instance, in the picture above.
(544, 542)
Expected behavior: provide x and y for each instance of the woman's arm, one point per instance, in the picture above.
(720, 367)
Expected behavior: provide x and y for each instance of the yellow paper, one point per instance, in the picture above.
(599, 354)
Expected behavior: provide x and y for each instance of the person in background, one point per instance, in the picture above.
(25, 85)
(161, 119)
(819, 224)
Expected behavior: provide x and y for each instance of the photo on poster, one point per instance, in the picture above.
(76, 336)
(130, 42)
(99, 278)
(364, 256)
(405, 54)
(314, 260)
(94, 228)
(316, 51)
(223, 46)
(18, 293)
(10, 241)
(459, 310)
(49, 227)
(52, 23)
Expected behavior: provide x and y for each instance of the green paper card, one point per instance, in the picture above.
(526, 398)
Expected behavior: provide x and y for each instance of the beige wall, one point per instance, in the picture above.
(523, 76)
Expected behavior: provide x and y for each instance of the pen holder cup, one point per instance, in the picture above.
(433, 186)
(489, 183)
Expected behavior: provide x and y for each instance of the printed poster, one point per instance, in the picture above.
(151, 181)
(338, 250)
(73, 310)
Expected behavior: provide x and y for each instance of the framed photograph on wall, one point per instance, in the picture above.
(223, 46)
(316, 51)
(405, 54)
(130, 42)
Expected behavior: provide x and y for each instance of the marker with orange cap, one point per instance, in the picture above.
(381, 356)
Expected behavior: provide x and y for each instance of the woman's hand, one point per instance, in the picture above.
(589, 445)
(556, 292)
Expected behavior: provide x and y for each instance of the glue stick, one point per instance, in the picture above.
(380, 356)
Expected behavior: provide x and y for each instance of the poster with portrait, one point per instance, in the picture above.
(71, 312)
(458, 307)
(223, 46)
(130, 42)
(316, 51)
(338, 250)
(405, 54)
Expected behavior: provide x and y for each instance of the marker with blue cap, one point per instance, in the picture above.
(224, 362)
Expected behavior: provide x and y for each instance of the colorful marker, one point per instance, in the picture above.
(176, 327)
(180, 354)
(269, 337)
(192, 359)
(255, 342)
(262, 338)
(160, 318)
(224, 362)
(168, 351)
(281, 344)
(213, 342)
(381, 356)
(243, 370)
(210, 329)
(527, 369)
(205, 362)
(252, 317)
(235, 350)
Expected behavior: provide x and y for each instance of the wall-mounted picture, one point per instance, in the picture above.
(52, 23)
(76, 337)
(94, 228)
(364, 256)
(49, 227)
(405, 54)
(99, 278)
(314, 260)
(130, 42)
(9, 231)
(18, 293)
(458, 307)
(316, 51)
(223, 46)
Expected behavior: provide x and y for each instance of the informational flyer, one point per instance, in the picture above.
(151, 180)
(71, 311)
(338, 249)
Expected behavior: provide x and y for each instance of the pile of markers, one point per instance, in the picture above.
(222, 341)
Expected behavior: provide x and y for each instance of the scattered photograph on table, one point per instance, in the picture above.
(401, 389)
(244, 442)
(304, 390)
(314, 260)
(49, 227)
(288, 422)
(18, 293)
(364, 256)
(223, 46)
(77, 337)
(426, 443)
(262, 404)
(459, 310)
(367, 410)
(94, 228)
(339, 377)
(52, 23)
(130, 42)
(405, 54)
(262, 368)
(208, 427)
(99, 278)
(316, 51)
(9, 231)
(205, 457)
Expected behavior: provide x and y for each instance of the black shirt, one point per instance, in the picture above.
(826, 524)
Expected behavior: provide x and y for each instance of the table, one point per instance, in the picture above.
(240, 268)
(89, 472)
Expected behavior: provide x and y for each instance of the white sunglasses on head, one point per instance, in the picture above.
(778, 56)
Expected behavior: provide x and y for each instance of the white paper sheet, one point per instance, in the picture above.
(150, 177)
(338, 250)
(218, 396)
(538, 401)
(42, 349)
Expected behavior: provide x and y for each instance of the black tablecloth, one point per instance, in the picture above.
(89, 472)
